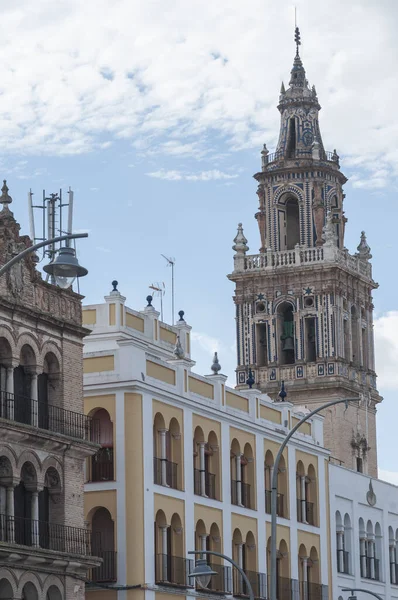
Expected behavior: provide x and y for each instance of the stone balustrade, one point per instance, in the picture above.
(304, 256)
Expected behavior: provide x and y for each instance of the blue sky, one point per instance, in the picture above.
(155, 115)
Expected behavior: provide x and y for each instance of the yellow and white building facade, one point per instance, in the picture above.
(186, 463)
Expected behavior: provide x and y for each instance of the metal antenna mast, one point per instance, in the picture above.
(159, 289)
(171, 263)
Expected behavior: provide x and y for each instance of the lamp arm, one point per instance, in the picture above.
(230, 560)
(363, 591)
(21, 255)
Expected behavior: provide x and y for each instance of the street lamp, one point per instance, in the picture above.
(202, 571)
(353, 597)
(274, 488)
(65, 267)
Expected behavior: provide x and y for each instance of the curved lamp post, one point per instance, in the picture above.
(274, 490)
(64, 268)
(203, 573)
(353, 597)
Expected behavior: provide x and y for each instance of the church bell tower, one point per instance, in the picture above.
(304, 311)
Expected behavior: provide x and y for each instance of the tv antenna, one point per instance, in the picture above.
(171, 263)
(159, 290)
(52, 208)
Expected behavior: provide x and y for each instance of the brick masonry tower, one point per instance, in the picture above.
(304, 310)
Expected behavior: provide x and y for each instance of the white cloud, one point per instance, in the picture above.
(201, 176)
(390, 476)
(77, 78)
(386, 342)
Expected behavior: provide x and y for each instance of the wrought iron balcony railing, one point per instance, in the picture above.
(210, 484)
(102, 466)
(285, 588)
(107, 572)
(41, 534)
(21, 409)
(221, 583)
(245, 493)
(258, 582)
(279, 504)
(310, 591)
(165, 472)
(173, 570)
(305, 512)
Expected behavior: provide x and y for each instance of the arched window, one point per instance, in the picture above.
(392, 549)
(102, 463)
(6, 591)
(312, 496)
(170, 566)
(53, 593)
(286, 334)
(26, 507)
(49, 391)
(167, 452)
(6, 372)
(292, 223)
(23, 386)
(29, 592)
(103, 536)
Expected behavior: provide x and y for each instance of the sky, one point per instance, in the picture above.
(155, 114)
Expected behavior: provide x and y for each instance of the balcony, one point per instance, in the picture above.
(310, 591)
(102, 466)
(324, 156)
(307, 514)
(245, 493)
(343, 562)
(220, 583)
(370, 568)
(210, 484)
(279, 504)
(107, 572)
(285, 588)
(173, 570)
(165, 472)
(44, 535)
(258, 582)
(21, 409)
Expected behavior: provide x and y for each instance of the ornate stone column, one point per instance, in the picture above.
(340, 550)
(34, 397)
(163, 457)
(238, 468)
(303, 501)
(202, 469)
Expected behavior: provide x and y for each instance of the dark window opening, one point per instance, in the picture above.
(261, 337)
(359, 465)
(310, 351)
(292, 223)
(287, 337)
(291, 138)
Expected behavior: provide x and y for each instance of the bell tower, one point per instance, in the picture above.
(304, 310)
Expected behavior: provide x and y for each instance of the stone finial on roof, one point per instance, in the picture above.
(181, 315)
(283, 393)
(114, 285)
(240, 242)
(283, 90)
(5, 198)
(149, 300)
(364, 248)
(178, 349)
(250, 381)
(215, 367)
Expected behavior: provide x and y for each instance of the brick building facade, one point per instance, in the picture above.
(44, 436)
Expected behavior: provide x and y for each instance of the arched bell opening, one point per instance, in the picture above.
(286, 334)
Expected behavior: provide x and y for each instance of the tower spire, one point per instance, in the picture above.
(297, 39)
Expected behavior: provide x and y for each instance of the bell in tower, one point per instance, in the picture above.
(287, 337)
